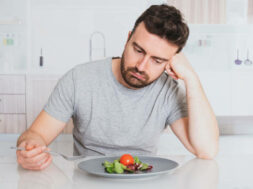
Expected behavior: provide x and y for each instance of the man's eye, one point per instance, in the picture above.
(158, 61)
(137, 50)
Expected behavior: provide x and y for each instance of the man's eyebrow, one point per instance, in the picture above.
(162, 59)
(135, 44)
(156, 57)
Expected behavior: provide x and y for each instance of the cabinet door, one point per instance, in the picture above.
(39, 88)
(242, 93)
(12, 104)
(12, 123)
(12, 84)
(217, 88)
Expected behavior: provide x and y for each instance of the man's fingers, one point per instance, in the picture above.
(37, 163)
(33, 152)
(42, 166)
(171, 73)
(37, 160)
(46, 163)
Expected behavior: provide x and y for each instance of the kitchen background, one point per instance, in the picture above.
(41, 39)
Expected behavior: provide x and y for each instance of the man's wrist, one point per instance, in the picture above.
(191, 78)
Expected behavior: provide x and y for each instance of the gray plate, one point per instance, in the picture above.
(160, 166)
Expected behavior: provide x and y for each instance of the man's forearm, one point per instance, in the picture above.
(203, 127)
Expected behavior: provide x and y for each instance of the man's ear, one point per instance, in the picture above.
(128, 37)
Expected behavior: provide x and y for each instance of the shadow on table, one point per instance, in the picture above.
(51, 177)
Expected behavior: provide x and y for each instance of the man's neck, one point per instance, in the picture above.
(116, 70)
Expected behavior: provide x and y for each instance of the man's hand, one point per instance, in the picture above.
(179, 67)
(34, 157)
(42, 132)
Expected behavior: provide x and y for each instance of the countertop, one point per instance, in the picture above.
(232, 168)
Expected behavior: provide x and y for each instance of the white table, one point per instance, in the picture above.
(228, 171)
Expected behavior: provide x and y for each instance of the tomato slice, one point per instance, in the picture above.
(126, 159)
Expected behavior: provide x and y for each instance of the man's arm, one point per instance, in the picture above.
(45, 128)
(180, 129)
(35, 139)
(199, 133)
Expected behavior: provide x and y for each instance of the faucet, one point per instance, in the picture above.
(91, 36)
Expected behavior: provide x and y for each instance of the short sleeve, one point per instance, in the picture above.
(177, 103)
(60, 104)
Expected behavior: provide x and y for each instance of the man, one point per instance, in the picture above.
(122, 105)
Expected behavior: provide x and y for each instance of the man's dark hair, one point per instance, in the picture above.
(165, 21)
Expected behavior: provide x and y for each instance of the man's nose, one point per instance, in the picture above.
(142, 64)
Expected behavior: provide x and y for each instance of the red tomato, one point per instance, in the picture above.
(126, 159)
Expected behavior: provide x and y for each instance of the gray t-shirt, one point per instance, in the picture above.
(111, 118)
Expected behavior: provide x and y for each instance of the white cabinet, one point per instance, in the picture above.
(12, 123)
(217, 87)
(230, 93)
(39, 88)
(22, 98)
(12, 84)
(12, 103)
(242, 93)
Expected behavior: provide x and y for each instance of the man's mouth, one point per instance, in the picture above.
(138, 76)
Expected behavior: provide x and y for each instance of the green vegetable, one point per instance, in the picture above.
(109, 169)
(123, 166)
(144, 166)
(108, 164)
(136, 160)
(119, 168)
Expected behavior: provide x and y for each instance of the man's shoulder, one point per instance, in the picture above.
(90, 69)
(87, 71)
(91, 65)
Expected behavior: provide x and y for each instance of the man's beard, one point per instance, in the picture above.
(130, 79)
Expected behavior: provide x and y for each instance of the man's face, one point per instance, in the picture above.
(145, 57)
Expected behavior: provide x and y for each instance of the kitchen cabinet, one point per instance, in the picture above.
(242, 93)
(12, 103)
(217, 87)
(12, 84)
(22, 98)
(230, 93)
(12, 123)
(39, 88)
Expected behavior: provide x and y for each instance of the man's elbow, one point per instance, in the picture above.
(207, 154)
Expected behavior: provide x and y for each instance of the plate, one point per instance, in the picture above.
(160, 166)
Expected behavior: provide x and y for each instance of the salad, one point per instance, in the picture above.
(126, 164)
